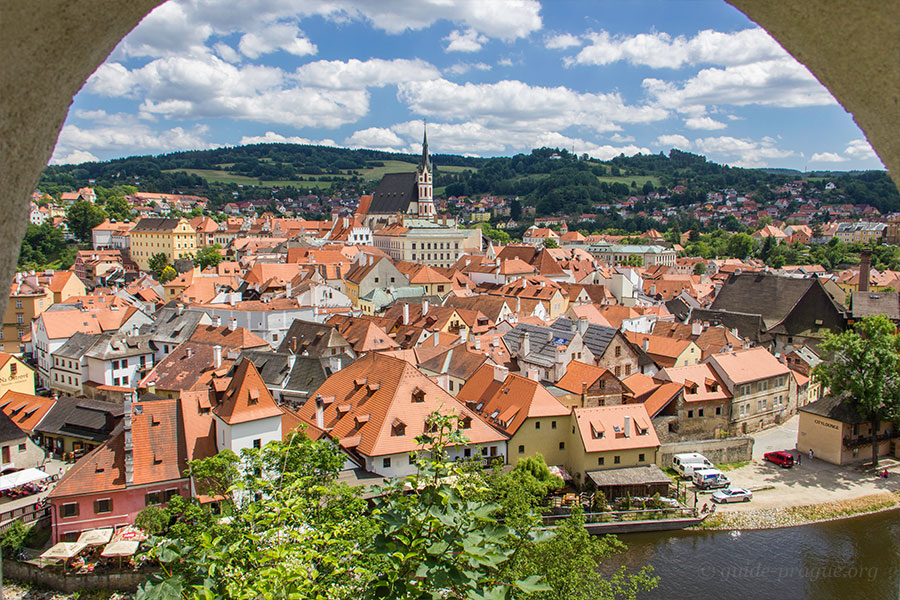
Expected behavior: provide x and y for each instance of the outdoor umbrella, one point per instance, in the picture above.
(95, 537)
(120, 549)
(63, 551)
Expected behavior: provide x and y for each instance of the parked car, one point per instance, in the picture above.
(710, 479)
(732, 495)
(782, 459)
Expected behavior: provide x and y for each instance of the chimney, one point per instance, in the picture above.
(500, 373)
(525, 345)
(652, 290)
(406, 313)
(424, 307)
(696, 328)
(584, 387)
(179, 310)
(335, 363)
(865, 266)
(464, 335)
(628, 426)
(217, 356)
(495, 342)
(287, 289)
(217, 321)
(233, 325)
(126, 421)
(518, 305)
(320, 412)
(582, 325)
(291, 361)
(190, 352)
(645, 345)
(437, 338)
(477, 341)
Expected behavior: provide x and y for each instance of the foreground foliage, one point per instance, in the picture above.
(294, 531)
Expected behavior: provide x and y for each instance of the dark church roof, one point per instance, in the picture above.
(394, 194)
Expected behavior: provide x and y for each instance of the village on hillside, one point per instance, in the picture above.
(176, 337)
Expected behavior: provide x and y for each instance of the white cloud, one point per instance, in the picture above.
(462, 68)
(279, 36)
(781, 82)
(505, 62)
(661, 50)
(356, 74)
(276, 138)
(227, 53)
(514, 105)
(73, 158)
(742, 152)
(465, 41)
(673, 141)
(619, 138)
(703, 123)
(827, 157)
(110, 79)
(126, 133)
(562, 41)
(860, 150)
(376, 138)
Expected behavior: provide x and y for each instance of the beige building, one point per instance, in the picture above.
(426, 242)
(763, 390)
(836, 433)
(30, 295)
(611, 437)
(646, 256)
(174, 238)
(15, 375)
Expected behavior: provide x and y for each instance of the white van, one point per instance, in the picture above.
(709, 479)
(685, 464)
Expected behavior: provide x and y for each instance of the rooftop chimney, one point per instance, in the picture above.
(865, 266)
(180, 310)
(126, 421)
(696, 328)
(627, 426)
(645, 345)
(190, 352)
(525, 345)
(233, 324)
(217, 321)
(437, 338)
(424, 307)
(217, 356)
(477, 343)
(406, 313)
(582, 324)
(320, 412)
(500, 373)
(291, 361)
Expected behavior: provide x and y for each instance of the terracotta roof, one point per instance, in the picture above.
(246, 398)
(702, 383)
(239, 338)
(197, 423)
(382, 416)
(578, 373)
(602, 428)
(661, 396)
(743, 366)
(25, 410)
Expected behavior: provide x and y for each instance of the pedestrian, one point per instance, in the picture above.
(810, 454)
(799, 458)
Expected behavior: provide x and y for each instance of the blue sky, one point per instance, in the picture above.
(491, 77)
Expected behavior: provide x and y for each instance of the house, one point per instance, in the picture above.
(586, 385)
(379, 405)
(171, 327)
(73, 426)
(534, 420)
(666, 351)
(542, 353)
(17, 450)
(141, 465)
(611, 437)
(608, 346)
(777, 312)
(372, 272)
(835, 431)
(454, 367)
(318, 340)
(292, 378)
(173, 238)
(761, 388)
(245, 413)
(705, 408)
(15, 375)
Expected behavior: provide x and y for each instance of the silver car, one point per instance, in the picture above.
(732, 495)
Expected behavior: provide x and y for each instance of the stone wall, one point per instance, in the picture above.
(726, 450)
(50, 577)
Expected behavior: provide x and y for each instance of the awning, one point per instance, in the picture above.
(95, 537)
(63, 551)
(14, 480)
(120, 549)
(560, 472)
(129, 533)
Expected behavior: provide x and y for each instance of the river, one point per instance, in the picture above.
(850, 559)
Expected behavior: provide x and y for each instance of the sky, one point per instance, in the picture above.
(488, 77)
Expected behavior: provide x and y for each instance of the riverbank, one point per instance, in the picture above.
(792, 516)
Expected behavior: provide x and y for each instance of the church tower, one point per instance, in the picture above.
(423, 179)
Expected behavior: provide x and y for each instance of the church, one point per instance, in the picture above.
(401, 194)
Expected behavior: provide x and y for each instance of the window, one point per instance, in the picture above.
(617, 459)
(151, 498)
(22, 447)
(640, 458)
(690, 414)
(20, 318)
(521, 449)
(386, 463)
(700, 413)
(19, 304)
(627, 369)
(552, 424)
(116, 381)
(618, 371)
(537, 424)
(13, 369)
(376, 280)
(562, 445)
(102, 506)
(600, 461)
(763, 386)
(69, 510)
(618, 351)
(718, 410)
(115, 364)
(257, 443)
(171, 493)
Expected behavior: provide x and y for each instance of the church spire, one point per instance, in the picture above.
(425, 164)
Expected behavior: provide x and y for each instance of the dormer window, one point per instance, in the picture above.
(398, 428)
(465, 423)
(418, 395)
(253, 397)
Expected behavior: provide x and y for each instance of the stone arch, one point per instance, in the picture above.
(51, 47)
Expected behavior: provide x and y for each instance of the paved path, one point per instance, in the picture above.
(811, 482)
(51, 467)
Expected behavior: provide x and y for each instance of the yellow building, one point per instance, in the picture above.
(174, 238)
(835, 432)
(15, 375)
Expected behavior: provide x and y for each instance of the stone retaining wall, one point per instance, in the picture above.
(69, 584)
(725, 450)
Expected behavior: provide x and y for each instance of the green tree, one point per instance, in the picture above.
(864, 368)
(550, 243)
(154, 520)
(501, 237)
(82, 217)
(740, 245)
(515, 209)
(633, 261)
(700, 268)
(158, 263)
(168, 274)
(208, 257)
(118, 208)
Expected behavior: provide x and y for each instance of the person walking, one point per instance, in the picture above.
(810, 454)
(799, 458)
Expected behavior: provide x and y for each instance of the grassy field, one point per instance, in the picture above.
(640, 180)
(372, 174)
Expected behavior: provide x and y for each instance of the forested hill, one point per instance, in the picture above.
(550, 179)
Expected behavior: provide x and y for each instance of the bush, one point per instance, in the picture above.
(153, 519)
(12, 537)
(600, 503)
